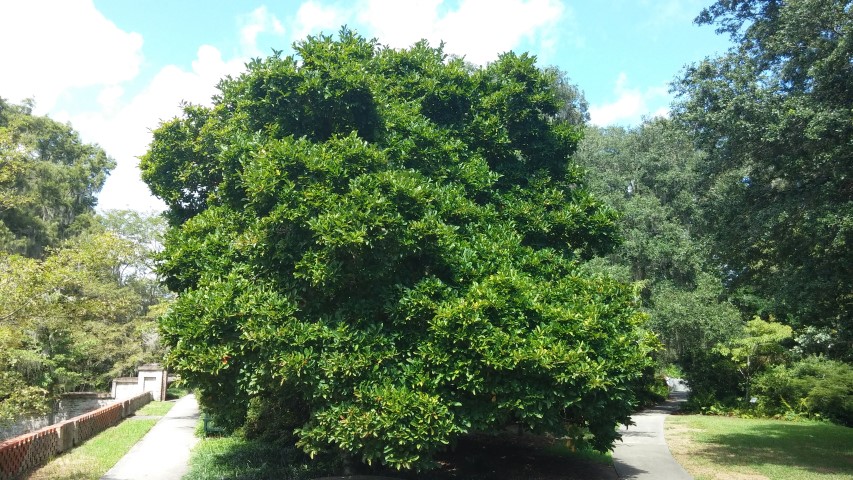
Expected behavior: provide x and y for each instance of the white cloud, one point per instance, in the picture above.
(630, 106)
(478, 29)
(50, 48)
(255, 23)
(75, 47)
(661, 112)
(312, 18)
(109, 97)
(400, 24)
(125, 133)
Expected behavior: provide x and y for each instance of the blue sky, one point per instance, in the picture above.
(115, 68)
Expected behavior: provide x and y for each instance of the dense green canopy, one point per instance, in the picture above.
(381, 246)
(49, 180)
(78, 318)
(651, 175)
(774, 116)
(75, 298)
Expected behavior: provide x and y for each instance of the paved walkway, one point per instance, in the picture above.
(643, 453)
(163, 452)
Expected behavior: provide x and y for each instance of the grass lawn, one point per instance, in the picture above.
(729, 448)
(174, 392)
(93, 458)
(156, 409)
(477, 459)
(233, 457)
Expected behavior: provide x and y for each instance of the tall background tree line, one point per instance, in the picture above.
(78, 295)
(738, 211)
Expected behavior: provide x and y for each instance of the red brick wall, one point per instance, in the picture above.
(90, 424)
(20, 455)
(27, 452)
(133, 404)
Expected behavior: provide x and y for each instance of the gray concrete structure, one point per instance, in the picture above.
(125, 387)
(151, 377)
(164, 452)
(643, 453)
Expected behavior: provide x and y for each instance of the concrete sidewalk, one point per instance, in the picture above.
(163, 452)
(643, 453)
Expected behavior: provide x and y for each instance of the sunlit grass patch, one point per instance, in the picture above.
(711, 447)
(236, 457)
(93, 458)
(155, 409)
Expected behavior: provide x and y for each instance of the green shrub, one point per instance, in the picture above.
(274, 418)
(650, 389)
(713, 379)
(673, 370)
(814, 386)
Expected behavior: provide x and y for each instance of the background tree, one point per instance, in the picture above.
(382, 245)
(76, 319)
(760, 346)
(21, 388)
(650, 175)
(78, 299)
(773, 116)
(145, 234)
(49, 180)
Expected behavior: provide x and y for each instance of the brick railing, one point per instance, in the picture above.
(25, 453)
(135, 403)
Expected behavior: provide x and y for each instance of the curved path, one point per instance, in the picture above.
(643, 453)
(163, 452)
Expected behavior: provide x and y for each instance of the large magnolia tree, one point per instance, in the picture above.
(380, 246)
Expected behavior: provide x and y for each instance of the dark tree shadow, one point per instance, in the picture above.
(512, 457)
(507, 457)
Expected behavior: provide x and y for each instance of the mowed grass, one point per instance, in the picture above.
(92, 459)
(156, 409)
(729, 448)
